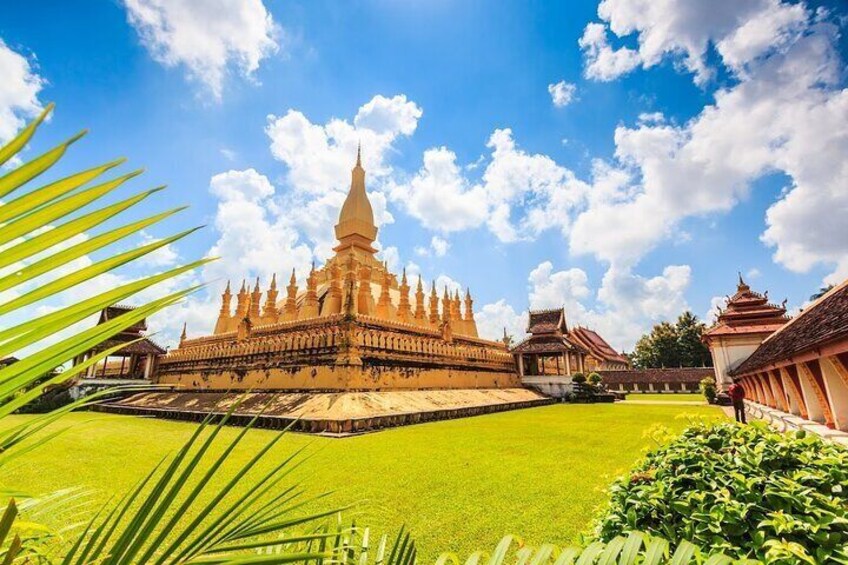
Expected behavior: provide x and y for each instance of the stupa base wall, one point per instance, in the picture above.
(328, 413)
(341, 377)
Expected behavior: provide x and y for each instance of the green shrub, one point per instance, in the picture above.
(595, 378)
(742, 490)
(708, 388)
(578, 378)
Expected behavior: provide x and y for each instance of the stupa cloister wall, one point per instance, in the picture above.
(338, 352)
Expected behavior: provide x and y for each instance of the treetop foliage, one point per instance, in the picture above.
(673, 345)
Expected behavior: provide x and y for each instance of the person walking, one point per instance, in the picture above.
(737, 396)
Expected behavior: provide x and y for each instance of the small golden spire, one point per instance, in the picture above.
(293, 278)
(183, 335)
(274, 281)
(243, 288)
(359, 154)
(256, 286)
(227, 290)
(420, 285)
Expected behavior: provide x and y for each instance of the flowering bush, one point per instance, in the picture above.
(742, 490)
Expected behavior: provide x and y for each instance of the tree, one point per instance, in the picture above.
(659, 348)
(821, 292)
(677, 345)
(693, 352)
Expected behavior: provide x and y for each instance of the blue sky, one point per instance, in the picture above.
(694, 145)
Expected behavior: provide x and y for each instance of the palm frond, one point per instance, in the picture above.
(637, 548)
(27, 232)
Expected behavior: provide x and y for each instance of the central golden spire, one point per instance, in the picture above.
(356, 222)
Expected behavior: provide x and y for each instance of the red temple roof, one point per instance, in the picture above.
(547, 321)
(748, 312)
(548, 334)
(596, 345)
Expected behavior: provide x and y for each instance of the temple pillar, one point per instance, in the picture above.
(811, 400)
(148, 366)
(764, 396)
(814, 373)
(792, 401)
(791, 374)
(835, 377)
(567, 363)
(776, 391)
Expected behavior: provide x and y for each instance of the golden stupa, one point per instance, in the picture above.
(356, 326)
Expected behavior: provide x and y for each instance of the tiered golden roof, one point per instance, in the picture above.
(352, 281)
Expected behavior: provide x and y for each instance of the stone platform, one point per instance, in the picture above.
(330, 413)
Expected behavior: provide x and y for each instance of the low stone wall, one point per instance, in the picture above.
(785, 422)
(554, 386)
(680, 380)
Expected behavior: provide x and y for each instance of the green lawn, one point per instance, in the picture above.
(667, 397)
(458, 485)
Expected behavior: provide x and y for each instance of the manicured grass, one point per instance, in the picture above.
(458, 485)
(667, 397)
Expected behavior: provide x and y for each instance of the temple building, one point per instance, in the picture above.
(354, 326)
(137, 360)
(745, 322)
(800, 371)
(552, 349)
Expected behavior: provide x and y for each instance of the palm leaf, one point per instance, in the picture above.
(14, 146)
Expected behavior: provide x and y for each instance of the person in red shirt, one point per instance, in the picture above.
(737, 396)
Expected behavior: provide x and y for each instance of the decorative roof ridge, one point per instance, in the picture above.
(546, 310)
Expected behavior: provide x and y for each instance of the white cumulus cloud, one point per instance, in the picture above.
(18, 91)
(785, 113)
(562, 93)
(626, 304)
(206, 37)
